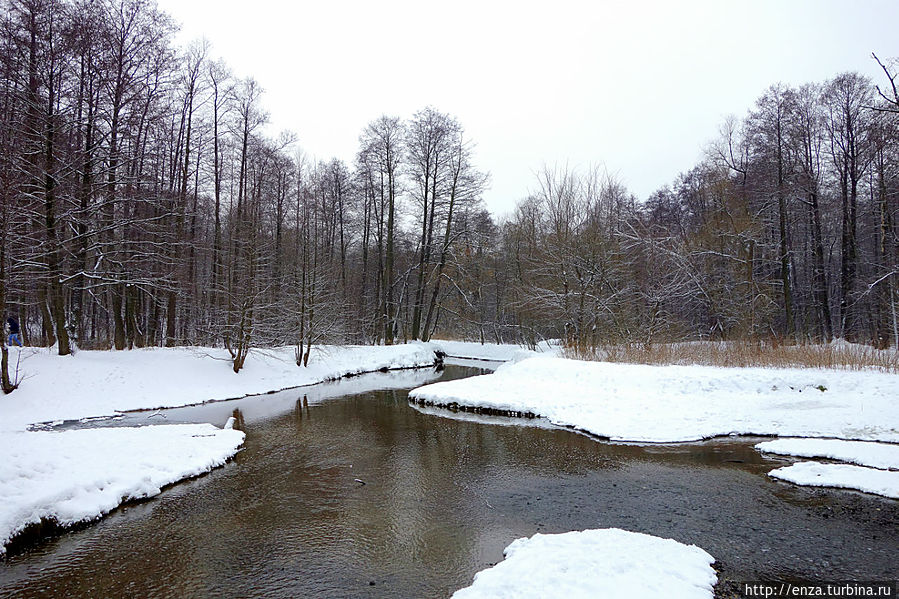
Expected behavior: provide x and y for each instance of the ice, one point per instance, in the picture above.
(496, 352)
(101, 383)
(871, 474)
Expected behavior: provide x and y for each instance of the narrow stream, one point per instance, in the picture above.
(439, 499)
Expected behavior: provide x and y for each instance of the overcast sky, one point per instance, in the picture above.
(639, 87)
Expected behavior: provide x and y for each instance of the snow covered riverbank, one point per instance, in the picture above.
(101, 383)
(639, 403)
(74, 476)
(79, 475)
(610, 563)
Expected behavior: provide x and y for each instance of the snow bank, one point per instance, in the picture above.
(100, 383)
(877, 479)
(863, 453)
(609, 563)
(79, 475)
(845, 476)
(640, 403)
(491, 351)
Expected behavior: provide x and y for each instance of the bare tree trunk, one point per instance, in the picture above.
(783, 238)
(57, 299)
(6, 385)
(820, 271)
(444, 251)
(388, 263)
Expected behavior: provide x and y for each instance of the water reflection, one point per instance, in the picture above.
(256, 408)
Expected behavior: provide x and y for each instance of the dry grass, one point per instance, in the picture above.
(839, 355)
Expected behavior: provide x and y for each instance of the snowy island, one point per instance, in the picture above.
(665, 404)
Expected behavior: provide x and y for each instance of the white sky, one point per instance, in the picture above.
(637, 86)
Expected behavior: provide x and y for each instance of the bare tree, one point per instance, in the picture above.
(381, 142)
(243, 264)
(847, 124)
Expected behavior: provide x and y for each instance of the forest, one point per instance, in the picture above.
(144, 203)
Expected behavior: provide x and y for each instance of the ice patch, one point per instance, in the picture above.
(495, 352)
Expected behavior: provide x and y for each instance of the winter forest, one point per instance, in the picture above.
(143, 205)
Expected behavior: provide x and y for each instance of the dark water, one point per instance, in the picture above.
(442, 497)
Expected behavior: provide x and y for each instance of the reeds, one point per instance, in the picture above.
(838, 355)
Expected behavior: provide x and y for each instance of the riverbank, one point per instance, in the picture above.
(62, 478)
(102, 383)
(56, 480)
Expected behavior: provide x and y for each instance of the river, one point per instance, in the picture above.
(345, 490)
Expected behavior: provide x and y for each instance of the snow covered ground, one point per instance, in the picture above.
(79, 475)
(495, 352)
(101, 383)
(640, 403)
(877, 469)
(846, 476)
(609, 563)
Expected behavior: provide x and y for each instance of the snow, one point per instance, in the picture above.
(872, 474)
(609, 563)
(641, 403)
(79, 475)
(495, 352)
(101, 383)
(846, 476)
(863, 453)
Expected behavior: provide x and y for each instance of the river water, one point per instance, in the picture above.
(345, 490)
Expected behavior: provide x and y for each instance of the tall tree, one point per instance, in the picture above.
(846, 97)
(770, 124)
(382, 142)
(194, 64)
(807, 139)
(243, 264)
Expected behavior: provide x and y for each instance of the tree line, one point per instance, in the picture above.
(785, 230)
(145, 204)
